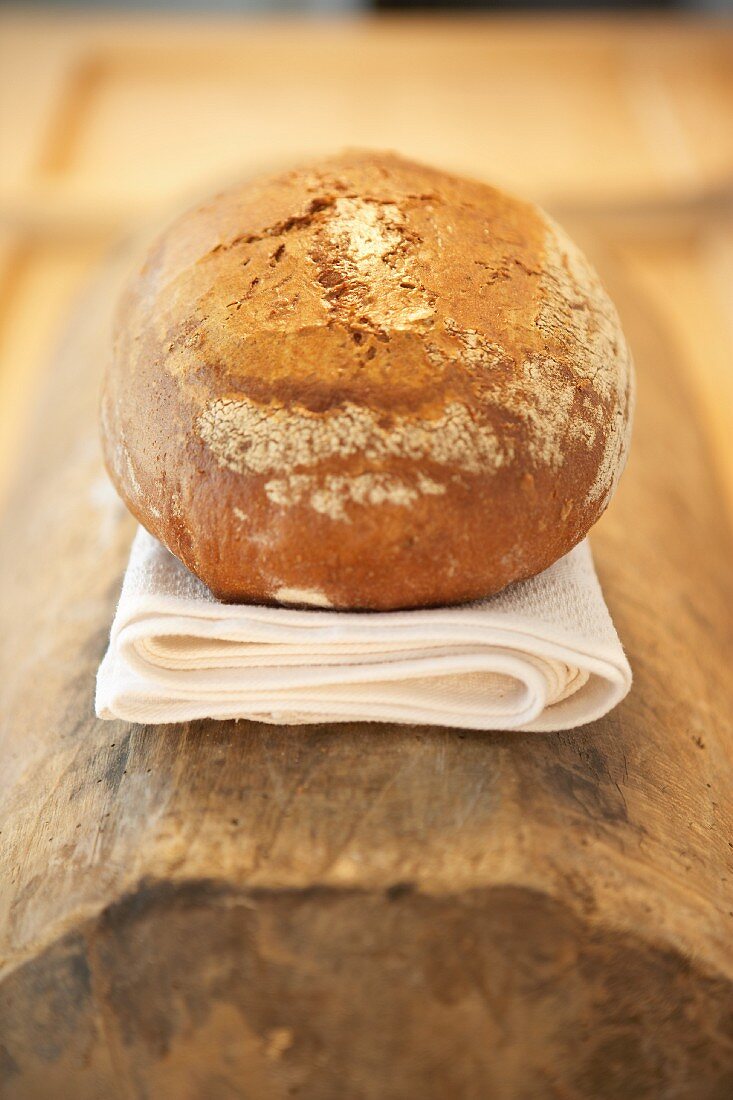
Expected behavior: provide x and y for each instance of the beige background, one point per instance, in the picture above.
(623, 129)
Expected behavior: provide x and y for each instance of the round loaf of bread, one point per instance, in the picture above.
(364, 383)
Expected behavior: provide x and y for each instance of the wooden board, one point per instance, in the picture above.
(378, 912)
(130, 109)
(225, 909)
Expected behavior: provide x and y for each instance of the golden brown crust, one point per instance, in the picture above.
(366, 383)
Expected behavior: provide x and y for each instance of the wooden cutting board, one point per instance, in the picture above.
(379, 912)
(233, 909)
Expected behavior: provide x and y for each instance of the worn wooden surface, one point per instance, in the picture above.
(222, 910)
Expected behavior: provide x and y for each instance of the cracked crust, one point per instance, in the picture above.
(367, 379)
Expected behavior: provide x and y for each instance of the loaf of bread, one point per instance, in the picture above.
(364, 383)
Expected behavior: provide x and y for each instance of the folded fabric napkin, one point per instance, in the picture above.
(541, 655)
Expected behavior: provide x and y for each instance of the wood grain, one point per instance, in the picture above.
(218, 909)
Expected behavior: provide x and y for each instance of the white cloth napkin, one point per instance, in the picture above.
(542, 655)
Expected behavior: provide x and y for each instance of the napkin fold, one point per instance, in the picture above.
(541, 655)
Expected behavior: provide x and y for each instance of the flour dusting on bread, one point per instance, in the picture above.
(247, 438)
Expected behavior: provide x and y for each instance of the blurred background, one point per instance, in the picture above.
(617, 116)
(295, 6)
